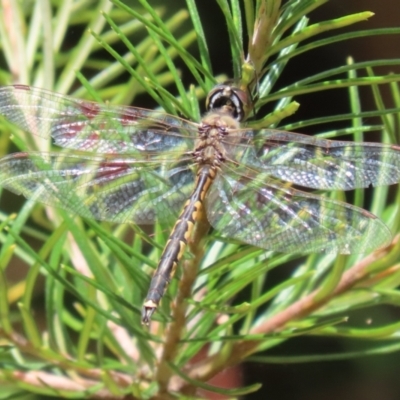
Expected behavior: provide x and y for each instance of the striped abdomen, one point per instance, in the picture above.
(175, 247)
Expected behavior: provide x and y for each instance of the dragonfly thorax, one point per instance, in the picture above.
(214, 128)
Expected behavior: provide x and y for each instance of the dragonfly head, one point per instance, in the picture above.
(228, 99)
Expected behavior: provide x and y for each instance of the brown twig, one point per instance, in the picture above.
(66, 362)
(45, 380)
(208, 367)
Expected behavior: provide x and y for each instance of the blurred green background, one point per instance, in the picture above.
(370, 378)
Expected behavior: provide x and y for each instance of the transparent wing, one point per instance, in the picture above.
(88, 126)
(99, 187)
(268, 215)
(319, 163)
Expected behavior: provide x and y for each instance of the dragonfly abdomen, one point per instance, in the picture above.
(178, 239)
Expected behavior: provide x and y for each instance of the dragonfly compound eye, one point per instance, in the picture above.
(228, 98)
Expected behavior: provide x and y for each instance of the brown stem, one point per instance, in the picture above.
(41, 379)
(208, 367)
(65, 362)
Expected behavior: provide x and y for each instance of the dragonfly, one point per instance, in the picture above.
(125, 164)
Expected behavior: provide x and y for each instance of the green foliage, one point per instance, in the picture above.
(96, 346)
